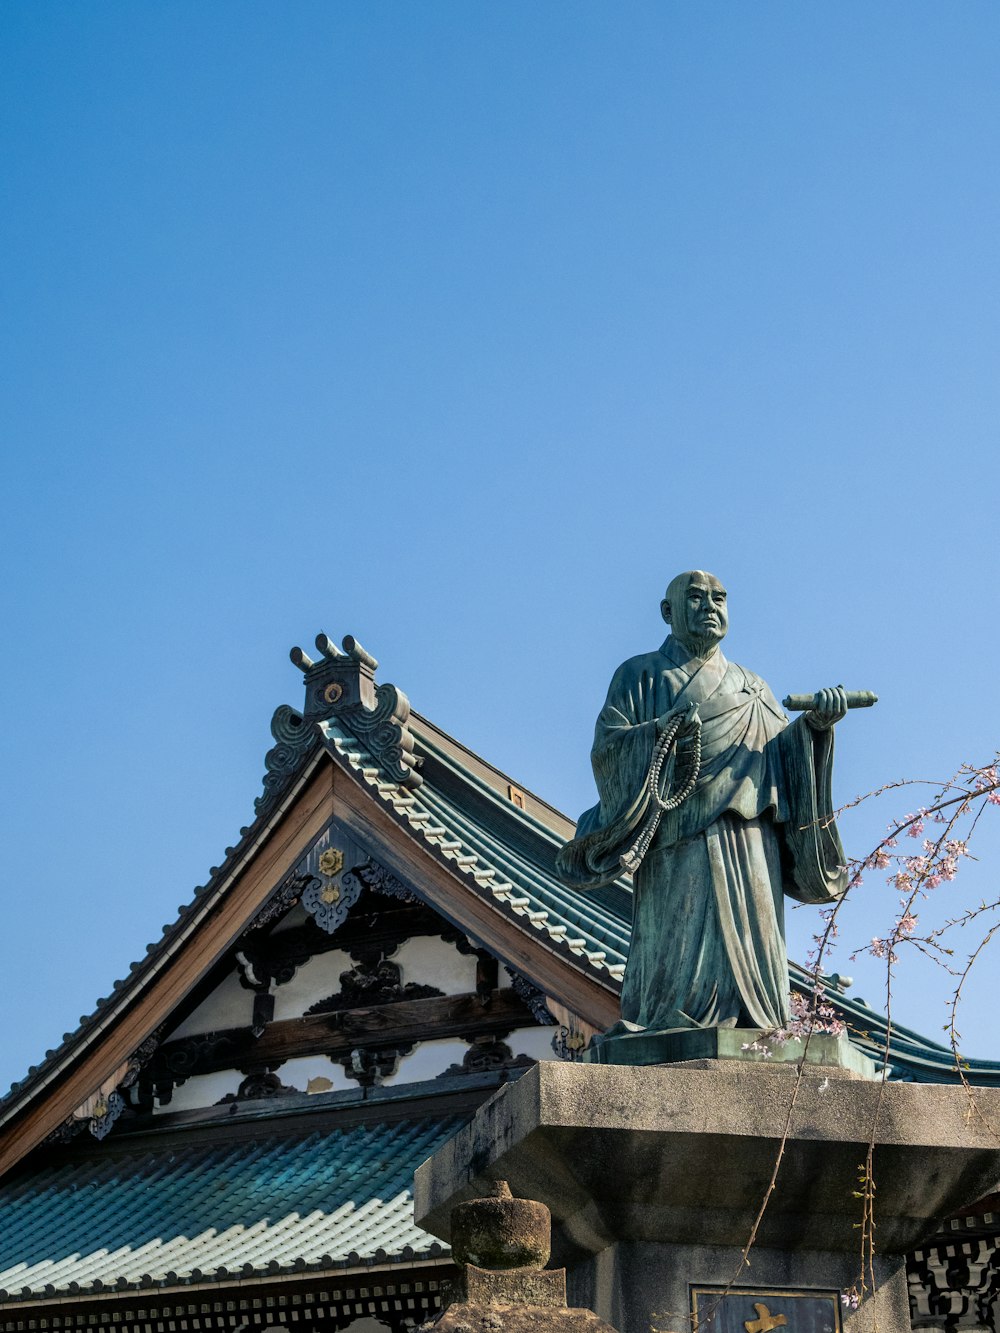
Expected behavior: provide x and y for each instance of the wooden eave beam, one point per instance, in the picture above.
(401, 1022)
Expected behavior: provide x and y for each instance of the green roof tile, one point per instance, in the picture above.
(330, 1195)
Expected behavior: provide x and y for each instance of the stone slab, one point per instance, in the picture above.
(748, 1044)
(679, 1155)
(519, 1286)
(515, 1319)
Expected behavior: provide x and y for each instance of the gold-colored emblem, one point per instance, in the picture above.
(333, 692)
(331, 894)
(765, 1321)
(331, 862)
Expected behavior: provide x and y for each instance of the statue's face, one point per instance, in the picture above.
(695, 607)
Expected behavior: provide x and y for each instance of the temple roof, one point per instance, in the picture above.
(490, 842)
(169, 1214)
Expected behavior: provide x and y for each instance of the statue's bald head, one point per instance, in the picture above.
(694, 607)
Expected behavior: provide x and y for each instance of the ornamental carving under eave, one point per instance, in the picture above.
(369, 1066)
(296, 738)
(368, 984)
(257, 1084)
(488, 1054)
(329, 902)
(376, 877)
(282, 900)
(532, 997)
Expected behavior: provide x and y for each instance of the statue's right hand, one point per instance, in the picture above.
(684, 711)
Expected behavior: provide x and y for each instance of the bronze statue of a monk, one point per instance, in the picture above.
(708, 944)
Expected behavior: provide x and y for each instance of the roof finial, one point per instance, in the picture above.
(327, 647)
(355, 650)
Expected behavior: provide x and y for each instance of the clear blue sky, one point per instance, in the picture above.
(461, 327)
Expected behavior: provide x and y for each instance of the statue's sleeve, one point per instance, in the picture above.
(819, 872)
(623, 749)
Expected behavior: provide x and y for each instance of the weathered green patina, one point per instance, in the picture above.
(708, 946)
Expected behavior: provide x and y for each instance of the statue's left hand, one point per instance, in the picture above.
(832, 706)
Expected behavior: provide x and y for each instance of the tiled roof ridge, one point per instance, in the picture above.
(417, 814)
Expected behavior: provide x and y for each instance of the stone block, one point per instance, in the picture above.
(655, 1175)
(748, 1044)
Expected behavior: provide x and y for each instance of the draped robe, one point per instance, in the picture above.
(708, 943)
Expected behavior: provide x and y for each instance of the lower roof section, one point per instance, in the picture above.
(242, 1207)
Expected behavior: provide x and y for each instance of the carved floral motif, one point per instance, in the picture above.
(182, 1058)
(282, 900)
(259, 1083)
(328, 903)
(106, 1112)
(331, 861)
(296, 738)
(376, 877)
(532, 997)
(486, 1055)
(369, 1065)
(367, 984)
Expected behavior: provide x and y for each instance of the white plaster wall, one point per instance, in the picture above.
(536, 1042)
(297, 1073)
(426, 961)
(229, 1006)
(428, 1060)
(431, 1058)
(430, 961)
(313, 981)
(202, 1090)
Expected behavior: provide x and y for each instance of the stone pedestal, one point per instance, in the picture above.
(654, 1176)
(747, 1044)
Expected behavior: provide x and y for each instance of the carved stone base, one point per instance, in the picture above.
(511, 1286)
(498, 1318)
(676, 1045)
